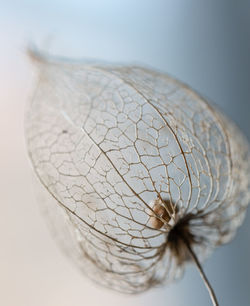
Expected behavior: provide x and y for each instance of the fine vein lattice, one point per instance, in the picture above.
(135, 167)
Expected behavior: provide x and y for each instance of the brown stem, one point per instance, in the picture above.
(202, 273)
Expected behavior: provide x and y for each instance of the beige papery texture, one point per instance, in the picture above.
(123, 154)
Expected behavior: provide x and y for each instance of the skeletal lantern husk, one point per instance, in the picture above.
(122, 155)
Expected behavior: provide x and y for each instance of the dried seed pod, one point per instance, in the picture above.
(140, 173)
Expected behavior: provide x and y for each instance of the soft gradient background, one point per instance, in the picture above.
(203, 43)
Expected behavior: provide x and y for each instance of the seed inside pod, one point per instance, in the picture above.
(164, 210)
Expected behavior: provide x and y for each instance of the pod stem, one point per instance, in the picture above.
(202, 273)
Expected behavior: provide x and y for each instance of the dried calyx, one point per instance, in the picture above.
(104, 141)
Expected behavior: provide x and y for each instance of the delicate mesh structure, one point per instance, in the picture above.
(109, 144)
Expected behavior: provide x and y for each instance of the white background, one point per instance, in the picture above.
(203, 43)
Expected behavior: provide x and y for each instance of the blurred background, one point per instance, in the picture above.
(204, 43)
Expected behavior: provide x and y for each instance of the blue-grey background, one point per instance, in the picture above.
(204, 43)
